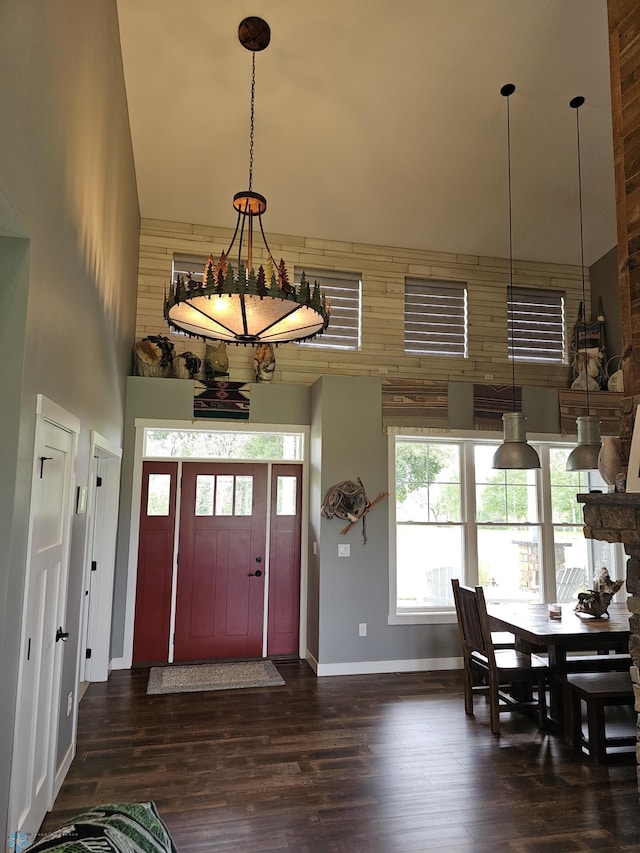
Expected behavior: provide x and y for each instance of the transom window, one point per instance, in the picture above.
(536, 323)
(208, 444)
(344, 290)
(435, 317)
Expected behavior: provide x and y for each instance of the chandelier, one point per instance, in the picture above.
(245, 305)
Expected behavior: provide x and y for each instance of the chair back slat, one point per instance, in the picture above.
(473, 621)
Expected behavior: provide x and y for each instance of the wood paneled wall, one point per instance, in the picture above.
(383, 270)
(624, 46)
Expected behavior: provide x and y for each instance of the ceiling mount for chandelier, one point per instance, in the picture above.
(246, 305)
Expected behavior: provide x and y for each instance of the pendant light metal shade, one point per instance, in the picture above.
(584, 457)
(514, 452)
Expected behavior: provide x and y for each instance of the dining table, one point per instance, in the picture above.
(534, 630)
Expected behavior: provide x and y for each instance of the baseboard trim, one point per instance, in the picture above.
(382, 666)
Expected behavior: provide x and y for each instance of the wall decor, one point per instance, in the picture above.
(348, 500)
(219, 399)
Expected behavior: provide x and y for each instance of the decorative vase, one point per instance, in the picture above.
(609, 459)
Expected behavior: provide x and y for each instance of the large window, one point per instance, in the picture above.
(344, 291)
(516, 533)
(435, 317)
(537, 325)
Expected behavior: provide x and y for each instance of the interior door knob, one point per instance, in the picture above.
(62, 635)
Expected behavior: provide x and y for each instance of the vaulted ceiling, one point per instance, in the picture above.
(378, 121)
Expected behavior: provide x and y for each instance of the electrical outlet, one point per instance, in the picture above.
(344, 550)
(69, 704)
(362, 629)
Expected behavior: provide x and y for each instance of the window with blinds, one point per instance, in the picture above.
(536, 324)
(435, 317)
(344, 290)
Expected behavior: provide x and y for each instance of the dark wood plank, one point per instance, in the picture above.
(343, 765)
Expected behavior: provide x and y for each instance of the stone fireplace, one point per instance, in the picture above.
(615, 517)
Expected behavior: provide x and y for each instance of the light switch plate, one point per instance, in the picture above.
(344, 550)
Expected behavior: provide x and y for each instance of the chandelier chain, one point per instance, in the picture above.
(252, 123)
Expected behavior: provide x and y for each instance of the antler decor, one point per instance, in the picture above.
(348, 500)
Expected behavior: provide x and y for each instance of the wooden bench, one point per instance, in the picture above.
(598, 690)
(617, 662)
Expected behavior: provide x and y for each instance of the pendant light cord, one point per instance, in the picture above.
(576, 103)
(507, 91)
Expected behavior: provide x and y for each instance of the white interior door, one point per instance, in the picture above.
(38, 701)
(103, 523)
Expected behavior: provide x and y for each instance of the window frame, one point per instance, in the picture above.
(331, 281)
(430, 294)
(523, 322)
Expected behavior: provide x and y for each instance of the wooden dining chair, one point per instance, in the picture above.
(491, 671)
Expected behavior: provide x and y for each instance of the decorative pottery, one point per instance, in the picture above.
(609, 459)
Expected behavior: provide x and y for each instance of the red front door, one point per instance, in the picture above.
(221, 561)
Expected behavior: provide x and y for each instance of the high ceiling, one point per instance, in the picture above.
(378, 121)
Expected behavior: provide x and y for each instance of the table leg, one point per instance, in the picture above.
(557, 675)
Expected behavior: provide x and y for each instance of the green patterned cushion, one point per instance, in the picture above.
(115, 828)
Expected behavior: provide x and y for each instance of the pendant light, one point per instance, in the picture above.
(584, 457)
(514, 452)
(251, 305)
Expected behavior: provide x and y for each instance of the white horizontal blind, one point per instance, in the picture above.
(435, 317)
(344, 289)
(536, 320)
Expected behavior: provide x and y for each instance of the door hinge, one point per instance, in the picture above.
(98, 482)
(87, 654)
(94, 565)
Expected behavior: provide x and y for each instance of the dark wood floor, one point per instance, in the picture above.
(360, 764)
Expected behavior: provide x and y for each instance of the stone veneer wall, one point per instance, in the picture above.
(616, 518)
(383, 270)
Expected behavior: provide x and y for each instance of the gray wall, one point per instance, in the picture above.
(346, 441)
(67, 185)
(355, 589)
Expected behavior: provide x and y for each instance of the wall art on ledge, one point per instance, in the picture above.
(415, 402)
(605, 405)
(490, 402)
(219, 399)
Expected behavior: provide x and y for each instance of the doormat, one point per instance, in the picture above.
(198, 677)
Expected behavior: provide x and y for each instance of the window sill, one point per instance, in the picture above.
(435, 617)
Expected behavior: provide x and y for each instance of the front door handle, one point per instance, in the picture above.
(62, 635)
(255, 574)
